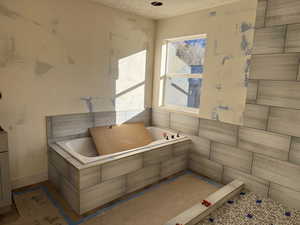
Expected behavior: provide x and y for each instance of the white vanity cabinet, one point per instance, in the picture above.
(5, 189)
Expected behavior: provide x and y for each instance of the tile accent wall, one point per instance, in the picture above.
(265, 152)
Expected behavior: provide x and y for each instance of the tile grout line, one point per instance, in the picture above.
(285, 38)
(252, 162)
(290, 148)
(269, 187)
(238, 136)
(266, 13)
(268, 118)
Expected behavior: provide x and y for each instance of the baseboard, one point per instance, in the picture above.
(29, 180)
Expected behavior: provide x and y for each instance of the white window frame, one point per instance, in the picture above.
(170, 75)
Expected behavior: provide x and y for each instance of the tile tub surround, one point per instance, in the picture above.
(264, 153)
(86, 187)
(89, 186)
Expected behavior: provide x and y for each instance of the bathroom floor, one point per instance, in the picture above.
(41, 205)
(154, 205)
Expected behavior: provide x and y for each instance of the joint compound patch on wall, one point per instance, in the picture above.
(226, 58)
(88, 102)
(247, 71)
(245, 45)
(4, 11)
(97, 104)
(245, 27)
(223, 107)
(42, 68)
(71, 60)
(54, 25)
(7, 51)
(11, 14)
(213, 13)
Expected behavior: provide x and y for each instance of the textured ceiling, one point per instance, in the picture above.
(169, 9)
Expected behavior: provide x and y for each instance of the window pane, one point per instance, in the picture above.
(184, 92)
(186, 57)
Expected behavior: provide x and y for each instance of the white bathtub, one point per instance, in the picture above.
(83, 149)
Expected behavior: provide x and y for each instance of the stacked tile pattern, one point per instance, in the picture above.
(265, 151)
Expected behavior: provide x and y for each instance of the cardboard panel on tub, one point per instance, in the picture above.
(119, 138)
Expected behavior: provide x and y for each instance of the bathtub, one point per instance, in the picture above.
(84, 151)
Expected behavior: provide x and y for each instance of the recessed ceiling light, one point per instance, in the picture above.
(156, 3)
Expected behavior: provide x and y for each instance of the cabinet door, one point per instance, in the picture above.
(5, 195)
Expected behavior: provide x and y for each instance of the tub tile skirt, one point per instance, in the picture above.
(92, 187)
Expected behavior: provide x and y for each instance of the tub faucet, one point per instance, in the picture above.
(177, 135)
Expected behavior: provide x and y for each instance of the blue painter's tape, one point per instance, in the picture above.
(103, 210)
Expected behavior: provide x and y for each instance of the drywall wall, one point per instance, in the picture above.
(62, 57)
(229, 30)
(265, 151)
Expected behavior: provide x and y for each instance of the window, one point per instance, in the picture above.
(184, 58)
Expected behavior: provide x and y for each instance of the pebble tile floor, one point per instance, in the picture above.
(248, 208)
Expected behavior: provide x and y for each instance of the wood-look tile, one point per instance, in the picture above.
(59, 163)
(183, 123)
(158, 155)
(217, 131)
(285, 196)
(85, 178)
(70, 194)
(269, 40)
(102, 193)
(293, 38)
(252, 91)
(275, 67)
(279, 93)
(68, 125)
(256, 116)
(89, 177)
(142, 178)
(160, 118)
(205, 167)
(266, 143)
(232, 157)
(277, 171)
(295, 151)
(260, 13)
(252, 183)
(54, 176)
(181, 148)
(173, 166)
(200, 145)
(121, 167)
(282, 12)
(284, 121)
